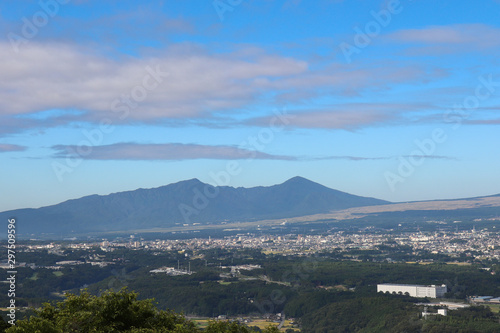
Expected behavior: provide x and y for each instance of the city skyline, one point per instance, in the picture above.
(396, 100)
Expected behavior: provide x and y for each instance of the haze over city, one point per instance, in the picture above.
(396, 100)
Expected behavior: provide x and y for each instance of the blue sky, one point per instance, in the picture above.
(397, 100)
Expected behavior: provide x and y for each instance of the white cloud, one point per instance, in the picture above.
(449, 38)
(348, 116)
(60, 76)
(190, 84)
(4, 148)
(167, 151)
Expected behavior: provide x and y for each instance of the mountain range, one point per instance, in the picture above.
(185, 202)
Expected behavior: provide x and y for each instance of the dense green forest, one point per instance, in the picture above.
(324, 292)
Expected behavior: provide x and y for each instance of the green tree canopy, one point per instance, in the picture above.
(114, 312)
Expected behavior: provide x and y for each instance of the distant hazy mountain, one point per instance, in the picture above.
(189, 201)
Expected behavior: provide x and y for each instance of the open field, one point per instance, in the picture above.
(495, 308)
(260, 323)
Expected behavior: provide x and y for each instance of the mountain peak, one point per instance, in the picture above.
(298, 179)
(187, 202)
(302, 182)
(190, 181)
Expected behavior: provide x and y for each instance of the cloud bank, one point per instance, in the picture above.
(167, 151)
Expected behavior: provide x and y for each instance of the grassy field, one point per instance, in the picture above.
(224, 283)
(495, 308)
(260, 323)
(459, 263)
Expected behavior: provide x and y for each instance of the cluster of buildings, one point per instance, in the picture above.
(472, 243)
(478, 244)
(171, 271)
(484, 300)
(430, 291)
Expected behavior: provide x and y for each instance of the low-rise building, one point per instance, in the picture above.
(431, 291)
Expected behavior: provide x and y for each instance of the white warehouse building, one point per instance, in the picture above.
(413, 290)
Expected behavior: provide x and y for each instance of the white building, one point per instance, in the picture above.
(431, 291)
(443, 312)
